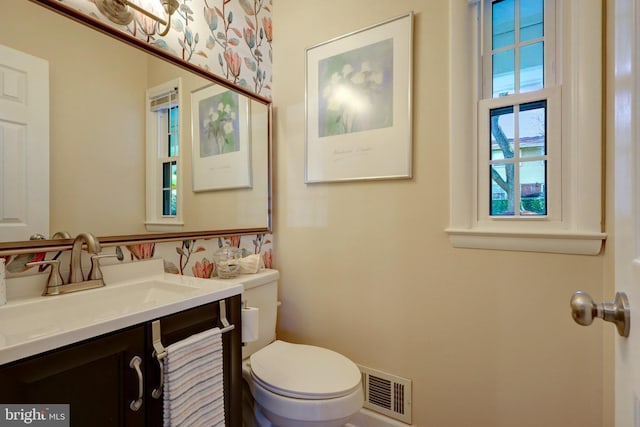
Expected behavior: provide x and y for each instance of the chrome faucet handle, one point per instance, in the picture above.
(96, 273)
(61, 235)
(54, 281)
(93, 247)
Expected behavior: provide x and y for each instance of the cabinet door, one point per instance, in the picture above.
(182, 325)
(93, 377)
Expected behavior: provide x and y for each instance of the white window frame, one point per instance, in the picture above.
(554, 164)
(576, 226)
(155, 220)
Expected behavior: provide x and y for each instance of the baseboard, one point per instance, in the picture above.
(367, 418)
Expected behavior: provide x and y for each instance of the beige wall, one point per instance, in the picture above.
(367, 270)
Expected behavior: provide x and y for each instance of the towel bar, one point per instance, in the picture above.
(159, 352)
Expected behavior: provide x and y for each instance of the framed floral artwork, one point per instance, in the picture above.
(358, 104)
(221, 140)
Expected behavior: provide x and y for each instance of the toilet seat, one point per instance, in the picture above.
(304, 371)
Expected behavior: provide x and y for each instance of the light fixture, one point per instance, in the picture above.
(119, 11)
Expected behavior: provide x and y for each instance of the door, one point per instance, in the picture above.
(624, 124)
(24, 145)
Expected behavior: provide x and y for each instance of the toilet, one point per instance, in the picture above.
(292, 385)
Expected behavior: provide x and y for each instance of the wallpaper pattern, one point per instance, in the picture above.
(187, 257)
(230, 38)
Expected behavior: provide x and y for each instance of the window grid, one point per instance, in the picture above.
(168, 156)
(516, 46)
(163, 155)
(514, 161)
(503, 78)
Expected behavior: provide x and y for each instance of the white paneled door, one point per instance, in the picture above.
(24, 145)
(624, 122)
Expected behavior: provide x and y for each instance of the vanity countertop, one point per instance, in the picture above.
(134, 293)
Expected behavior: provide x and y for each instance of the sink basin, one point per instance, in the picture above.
(38, 324)
(34, 319)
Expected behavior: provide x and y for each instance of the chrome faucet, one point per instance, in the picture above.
(93, 247)
(76, 282)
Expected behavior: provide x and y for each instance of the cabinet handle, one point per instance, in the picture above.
(135, 364)
(157, 392)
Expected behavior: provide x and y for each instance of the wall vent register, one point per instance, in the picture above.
(387, 394)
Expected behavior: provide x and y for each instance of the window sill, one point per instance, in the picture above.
(164, 226)
(549, 242)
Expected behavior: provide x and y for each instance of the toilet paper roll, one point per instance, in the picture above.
(3, 284)
(250, 324)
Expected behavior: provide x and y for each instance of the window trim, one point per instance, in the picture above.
(580, 229)
(155, 220)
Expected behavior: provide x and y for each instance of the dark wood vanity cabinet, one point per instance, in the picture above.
(92, 376)
(95, 377)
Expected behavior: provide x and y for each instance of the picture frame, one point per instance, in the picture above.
(221, 139)
(358, 104)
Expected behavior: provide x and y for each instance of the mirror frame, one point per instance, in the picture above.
(34, 246)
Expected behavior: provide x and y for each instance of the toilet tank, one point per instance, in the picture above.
(261, 291)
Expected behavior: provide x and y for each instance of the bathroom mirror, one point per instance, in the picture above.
(97, 134)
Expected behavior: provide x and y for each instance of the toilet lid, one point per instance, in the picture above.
(304, 371)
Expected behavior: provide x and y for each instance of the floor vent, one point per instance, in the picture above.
(387, 394)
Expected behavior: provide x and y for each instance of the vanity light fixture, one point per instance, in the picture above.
(119, 11)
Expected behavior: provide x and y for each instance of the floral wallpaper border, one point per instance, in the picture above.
(187, 257)
(229, 38)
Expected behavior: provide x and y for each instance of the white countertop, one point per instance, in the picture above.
(134, 293)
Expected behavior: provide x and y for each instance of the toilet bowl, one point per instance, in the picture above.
(295, 385)
(292, 385)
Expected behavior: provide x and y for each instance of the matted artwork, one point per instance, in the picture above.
(358, 104)
(221, 148)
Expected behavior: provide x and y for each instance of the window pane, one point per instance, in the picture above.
(163, 134)
(166, 175)
(169, 188)
(533, 129)
(173, 132)
(532, 67)
(503, 23)
(166, 202)
(502, 199)
(531, 19)
(502, 120)
(533, 195)
(503, 73)
(174, 202)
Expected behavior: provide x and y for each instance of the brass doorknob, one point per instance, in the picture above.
(584, 310)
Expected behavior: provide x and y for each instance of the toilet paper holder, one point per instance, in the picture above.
(250, 323)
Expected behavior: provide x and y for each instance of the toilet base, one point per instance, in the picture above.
(263, 416)
(253, 415)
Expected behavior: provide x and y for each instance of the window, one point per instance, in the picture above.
(518, 160)
(526, 164)
(163, 157)
(518, 148)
